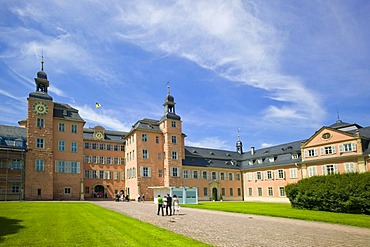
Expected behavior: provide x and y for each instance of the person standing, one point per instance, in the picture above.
(176, 206)
(160, 205)
(169, 204)
(138, 197)
(143, 198)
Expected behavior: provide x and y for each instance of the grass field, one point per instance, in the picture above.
(285, 211)
(78, 224)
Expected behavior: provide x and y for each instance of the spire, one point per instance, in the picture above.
(239, 144)
(169, 105)
(42, 61)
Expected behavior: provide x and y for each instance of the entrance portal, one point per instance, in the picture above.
(214, 194)
(99, 191)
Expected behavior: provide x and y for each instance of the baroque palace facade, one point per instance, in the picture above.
(51, 156)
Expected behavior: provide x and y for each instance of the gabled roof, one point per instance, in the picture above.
(343, 125)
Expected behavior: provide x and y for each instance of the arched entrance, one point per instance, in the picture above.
(99, 191)
(214, 194)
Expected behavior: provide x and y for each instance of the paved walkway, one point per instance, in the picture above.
(231, 229)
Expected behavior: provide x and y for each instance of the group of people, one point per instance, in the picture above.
(140, 198)
(166, 203)
(121, 197)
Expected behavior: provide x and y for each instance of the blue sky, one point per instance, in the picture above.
(278, 70)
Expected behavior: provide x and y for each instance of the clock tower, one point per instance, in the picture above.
(39, 169)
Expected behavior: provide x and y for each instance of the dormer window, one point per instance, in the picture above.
(271, 159)
(259, 161)
(250, 162)
(294, 156)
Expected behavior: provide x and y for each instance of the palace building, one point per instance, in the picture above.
(51, 156)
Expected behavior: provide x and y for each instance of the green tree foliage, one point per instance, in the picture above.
(344, 193)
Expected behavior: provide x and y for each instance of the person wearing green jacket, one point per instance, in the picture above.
(160, 205)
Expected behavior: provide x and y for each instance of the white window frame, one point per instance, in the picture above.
(293, 172)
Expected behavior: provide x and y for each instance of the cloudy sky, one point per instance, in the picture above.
(276, 70)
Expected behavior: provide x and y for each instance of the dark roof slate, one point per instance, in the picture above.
(67, 112)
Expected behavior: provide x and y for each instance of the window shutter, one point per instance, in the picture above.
(333, 149)
(283, 174)
(171, 171)
(265, 175)
(315, 152)
(272, 174)
(277, 174)
(353, 146)
(78, 167)
(335, 168)
(255, 176)
(305, 153)
(141, 171)
(149, 171)
(341, 148)
(324, 171)
(322, 151)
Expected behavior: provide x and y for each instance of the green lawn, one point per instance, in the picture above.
(78, 224)
(285, 211)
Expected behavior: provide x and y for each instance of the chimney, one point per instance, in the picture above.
(252, 151)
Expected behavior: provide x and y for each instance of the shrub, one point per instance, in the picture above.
(344, 193)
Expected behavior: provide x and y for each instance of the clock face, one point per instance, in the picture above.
(40, 108)
(99, 135)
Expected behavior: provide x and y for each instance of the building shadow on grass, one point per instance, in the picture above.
(9, 226)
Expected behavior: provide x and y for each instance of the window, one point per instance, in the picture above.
(205, 191)
(250, 191)
(269, 175)
(223, 191)
(101, 159)
(116, 175)
(329, 169)
(231, 176)
(231, 191)
(61, 145)
(38, 192)
(60, 166)
(239, 192)
(312, 171)
(174, 139)
(222, 176)
(39, 143)
(87, 189)
(294, 156)
(40, 123)
(175, 171)
(271, 159)
(61, 127)
(94, 174)
(249, 176)
(237, 177)
(160, 173)
(349, 167)
(116, 160)
(174, 155)
(16, 164)
(280, 174)
(328, 150)
(259, 161)
(94, 146)
(109, 160)
(258, 176)
(204, 174)
(270, 191)
(259, 190)
(185, 173)
(109, 147)
(173, 124)
(87, 145)
(293, 172)
(145, 172)
(144, 137)
(116, 147)
(101, 146)
(15, 187)
(74, 147)
(214, 175)
(157, 139)
(310, 152)
(347, 147)
(145, 154)
(74, 128)
(122, 148)
(281, 191)
(75, 167)
(159, 156)
(195, 174)
(67, 190)
(87, 173)
(39, 166)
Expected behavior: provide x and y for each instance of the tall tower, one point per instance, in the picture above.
(39, 159)
(170, 125)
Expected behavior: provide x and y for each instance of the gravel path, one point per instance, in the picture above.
(231, 229)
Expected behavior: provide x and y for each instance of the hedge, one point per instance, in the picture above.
(344, 193)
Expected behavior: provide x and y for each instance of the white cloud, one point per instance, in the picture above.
(98, 117)
(209, 142)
